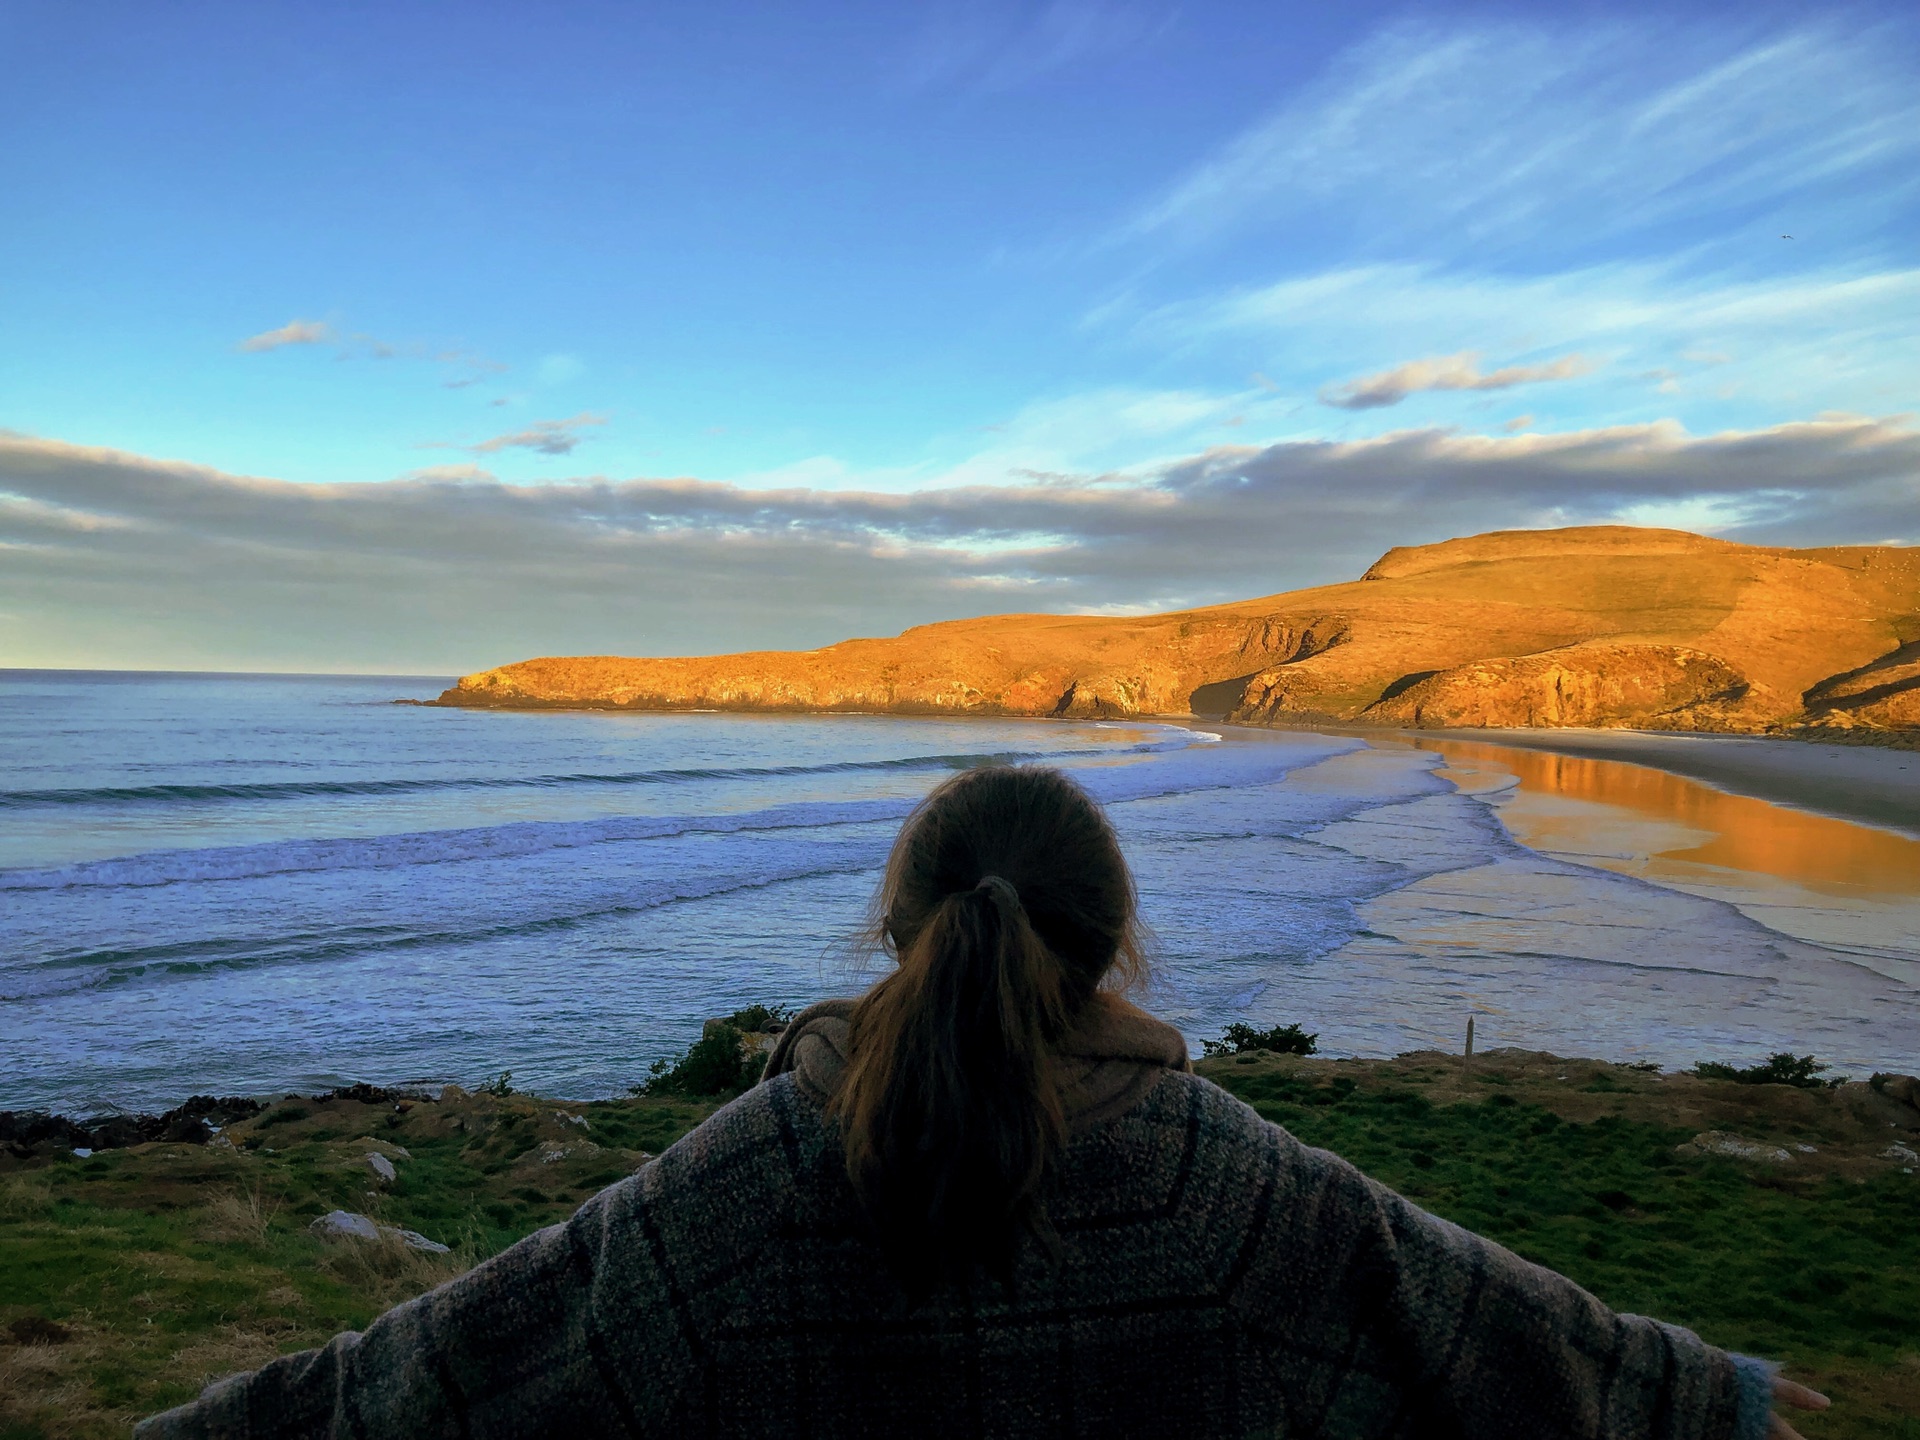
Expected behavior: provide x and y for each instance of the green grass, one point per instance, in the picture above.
(1822, 1273)
(1710, 1244)
(172, 1263)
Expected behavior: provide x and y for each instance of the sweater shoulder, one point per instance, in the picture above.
(699, 1215)
(1189, 1156)
(1237, 1137)
(1225, 1130)
(767, 1135)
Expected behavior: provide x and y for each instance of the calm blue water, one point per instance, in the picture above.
(250, 884)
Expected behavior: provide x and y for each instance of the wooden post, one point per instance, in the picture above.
(1469, 1037)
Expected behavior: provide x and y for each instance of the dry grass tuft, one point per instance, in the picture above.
(234, 1349)
(388, 1272)
(243, 1214)
(24, 1195)
(38, 1330)
(47, 1389)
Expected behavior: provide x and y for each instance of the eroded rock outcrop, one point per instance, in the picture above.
(1100, 697)
(1885, 691)
(1599, 685)
(1599, 625)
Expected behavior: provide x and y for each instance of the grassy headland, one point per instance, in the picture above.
(134, 1275)
(1605, 626)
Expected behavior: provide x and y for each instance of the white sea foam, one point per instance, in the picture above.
(574, 932)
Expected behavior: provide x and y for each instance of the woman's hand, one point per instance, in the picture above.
(1786, 1392)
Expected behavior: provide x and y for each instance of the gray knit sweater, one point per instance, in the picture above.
(1218, 1279)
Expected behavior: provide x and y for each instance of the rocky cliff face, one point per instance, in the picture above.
(1606, 625)
(1598, 685)
(1885, 691)
(1074, 666)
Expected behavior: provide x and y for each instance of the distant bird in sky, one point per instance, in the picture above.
(1786, 237)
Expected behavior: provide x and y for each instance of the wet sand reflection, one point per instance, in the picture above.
(1720, 830)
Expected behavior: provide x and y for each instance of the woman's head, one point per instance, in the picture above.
(1040, 833)
(1006, 903)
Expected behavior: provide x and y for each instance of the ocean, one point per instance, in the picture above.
(253, 884)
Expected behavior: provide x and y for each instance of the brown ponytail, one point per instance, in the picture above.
(1006, 902)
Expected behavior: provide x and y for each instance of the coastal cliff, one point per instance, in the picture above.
(1600, 626)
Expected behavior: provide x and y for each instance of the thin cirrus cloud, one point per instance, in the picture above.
(1513, 133)
(481, 370)
(988, 48)
(544, 437)
(1618, 301)
(1528, 186)
(122, 559)
(294, 332)
(1445, 372)
(1760, 335)
(476, 369)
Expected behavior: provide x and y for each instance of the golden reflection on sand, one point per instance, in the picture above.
(1728, 832)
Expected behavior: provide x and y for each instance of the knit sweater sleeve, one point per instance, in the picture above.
(1427, 1329)
(514, 1346)
(583, 1329)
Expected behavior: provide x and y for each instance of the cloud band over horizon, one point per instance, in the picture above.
(119, 560)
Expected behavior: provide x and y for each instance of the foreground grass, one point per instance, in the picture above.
(165, 1266)
(1815, 1262)
(133, 1277)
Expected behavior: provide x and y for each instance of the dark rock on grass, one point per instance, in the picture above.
(1736, 1147)
(1901, 1089)
(38, 1330)
(23, 1131)
(364, 1093)
(348, 1225)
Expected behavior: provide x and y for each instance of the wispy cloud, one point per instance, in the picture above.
(473, 368)
(450, 472)
(1461, 187)
(1002, 47)
(1445, 372)
(264, 571)
(1616, 299)
(1792, 345)
(482, 371)
(1463, 139)
(294, 332)
(545, 437)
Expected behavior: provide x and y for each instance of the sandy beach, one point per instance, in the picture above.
(1847, 885)
(1867, 784)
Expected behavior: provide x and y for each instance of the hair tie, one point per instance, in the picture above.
(1001, 890)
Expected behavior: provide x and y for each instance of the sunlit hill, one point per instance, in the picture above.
(1594, 626)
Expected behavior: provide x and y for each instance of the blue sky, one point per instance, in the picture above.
(791, 261)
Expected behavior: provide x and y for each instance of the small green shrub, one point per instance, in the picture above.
(713, 1066)
(500, 1086)
(761, 1018)
(1781, 1069)
(1237, 1039)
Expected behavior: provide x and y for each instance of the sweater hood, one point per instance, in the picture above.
(1115, 1053)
